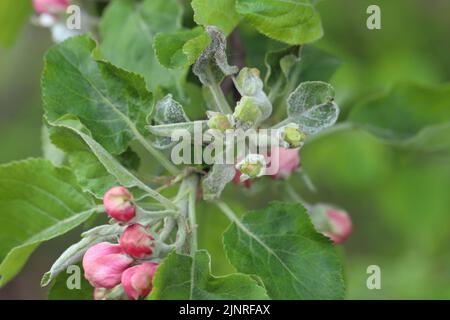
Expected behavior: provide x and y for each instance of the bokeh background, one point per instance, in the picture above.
(399, 199)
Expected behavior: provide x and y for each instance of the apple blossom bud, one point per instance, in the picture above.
(291, 136)
(248, 81)
(334, 223)
(118, 204)
(253, 166)
(50, 6)
(247, 112)
(104, 263)
(137, 280)
(284, 162)
(219, 121)
(136, 242)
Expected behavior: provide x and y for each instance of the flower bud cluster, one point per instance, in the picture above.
(126, 264)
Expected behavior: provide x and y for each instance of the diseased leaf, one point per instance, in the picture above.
(408, 114)
(112, 103)
(280, 245)
(312, 106)
(127, 30)
(38, 202)
(182, 277)
(293, 22)
(111, 164)
(182, 48)
(212, 66)
(216, 180)
(219, 13)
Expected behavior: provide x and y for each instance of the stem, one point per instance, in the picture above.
(296, 197)
(192, 217)
(159, 156)
(219, 98)
(227, 211)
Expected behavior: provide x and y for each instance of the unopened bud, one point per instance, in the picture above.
(248, 82)
(253, 166)
(137, 280)
(219, 121)
(104, 263)
(334, 223)
(136, 242)
(292, 136)
(284, 162)
(247, 112)
(118, 203)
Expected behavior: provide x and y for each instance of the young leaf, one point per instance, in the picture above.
(38, 202)
(182, 277)
(409, 114)
(212, 66)
(293, 22)
(182, 48)
(166, 130)
(112, 165)
(127, 31)
(112, 103)
(280, 245)
(216, 180)
(220, 13)
(311, 106)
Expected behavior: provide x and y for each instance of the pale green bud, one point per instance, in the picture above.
(219, 121)
(253, 166)
(248, 82)
(247, 111)
(292, 136)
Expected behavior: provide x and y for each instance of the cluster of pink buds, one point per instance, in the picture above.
(107, 265)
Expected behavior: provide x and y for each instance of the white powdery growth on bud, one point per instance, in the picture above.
(253, 166)
(118, 203)
(334, 223)
(104, 263)
(137, 280)
(291, 136)
(219, 121)
(136, 242)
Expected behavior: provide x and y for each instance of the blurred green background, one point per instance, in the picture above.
(399, 199)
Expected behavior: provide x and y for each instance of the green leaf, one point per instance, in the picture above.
(112, 103)
(182, 277)
(312, 106)
(219, 13)
(182, 48)
(127, 30)
(408, 114)
(38, 202)
(49, 150)
(111, 164)
(293, 22)
(212, 66)
(13, 15)
(280, 245)
(60, 290)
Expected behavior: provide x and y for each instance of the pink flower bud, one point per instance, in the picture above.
(334, 223)
(50, 6)
(283, 162)
(104, 263)
(136, 242)
(137, 280)
(118, 204)
(341, 225)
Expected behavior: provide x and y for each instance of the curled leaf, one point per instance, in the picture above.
(216, 180)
